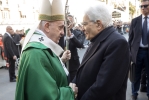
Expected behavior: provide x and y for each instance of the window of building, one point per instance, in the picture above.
(22, 15)
(5, 14)
(116, 14)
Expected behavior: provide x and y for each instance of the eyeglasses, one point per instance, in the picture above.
(145, 6)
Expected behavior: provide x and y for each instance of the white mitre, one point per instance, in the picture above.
(48, 12)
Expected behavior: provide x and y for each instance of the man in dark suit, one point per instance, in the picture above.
(143, 87)
(103, 72)
(76, 40)
(11, 51)
(62, 42)
(119, 27)
(17, 38)
(138, 42)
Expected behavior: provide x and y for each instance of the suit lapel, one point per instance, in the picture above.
(10, 38)
(90, 53)
(139, 25)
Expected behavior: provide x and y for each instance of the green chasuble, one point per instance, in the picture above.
(41, 75)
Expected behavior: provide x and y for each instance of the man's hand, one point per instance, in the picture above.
(14, 57)
(74, 88)
(66, 56)
(69, 33)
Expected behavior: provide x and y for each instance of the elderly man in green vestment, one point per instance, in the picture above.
(42, 74)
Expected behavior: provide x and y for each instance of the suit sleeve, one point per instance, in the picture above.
(131, 34)
(112, 74)
(78, 39)
(8, 46)
(39, 83)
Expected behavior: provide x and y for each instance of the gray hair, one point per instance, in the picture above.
(42, 23)
(100, 11)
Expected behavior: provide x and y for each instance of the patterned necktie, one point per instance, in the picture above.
(144, 33)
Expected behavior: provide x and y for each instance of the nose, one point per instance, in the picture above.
(83, 28)
(62, 32)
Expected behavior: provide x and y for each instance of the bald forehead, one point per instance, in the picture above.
(8, 27)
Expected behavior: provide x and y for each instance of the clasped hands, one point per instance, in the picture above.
(74, 88)
(65, 57)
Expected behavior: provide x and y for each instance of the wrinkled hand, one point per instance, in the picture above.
(74, 88)
(66, 56)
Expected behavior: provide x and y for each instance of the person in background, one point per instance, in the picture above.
(119, 27)
(126, 27)
(10, 51)
(143, 87)
(138, 43)
(76, 40)
(17, 38)
(23, 37)
(2, 58)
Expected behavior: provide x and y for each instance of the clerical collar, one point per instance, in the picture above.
(42, 38)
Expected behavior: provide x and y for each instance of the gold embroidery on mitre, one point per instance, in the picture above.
(51, 18)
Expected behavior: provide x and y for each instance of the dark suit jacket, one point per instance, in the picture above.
(135, 34)
(10, 47)
(74, 43)
(61, 42)
(17, 38)
(103, 72)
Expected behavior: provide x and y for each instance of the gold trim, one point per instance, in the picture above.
(51, 18)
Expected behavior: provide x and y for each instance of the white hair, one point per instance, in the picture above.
(42, 23)
(99, 11)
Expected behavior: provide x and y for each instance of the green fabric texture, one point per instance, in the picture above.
(41, 76)
(26, 31)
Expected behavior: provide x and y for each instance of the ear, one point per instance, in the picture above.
(99, 24)
(46, 27)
